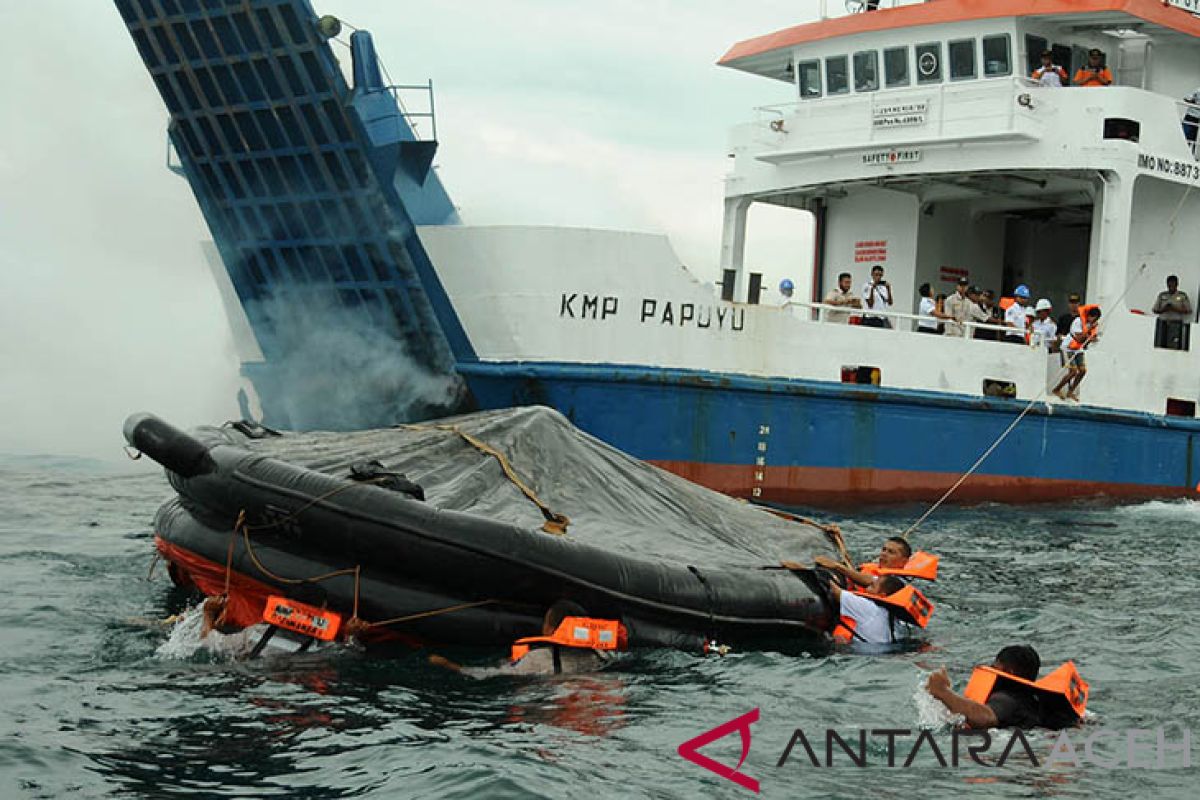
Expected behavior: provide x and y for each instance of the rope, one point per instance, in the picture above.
(555, 523)
(1028, 407)
(435, 612)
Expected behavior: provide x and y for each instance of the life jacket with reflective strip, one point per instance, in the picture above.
(1089, 330)
(919, 565)
(581, 632)
(1060, 691)
(908, 604)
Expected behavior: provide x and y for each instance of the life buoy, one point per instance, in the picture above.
(582, 632)
(1063, 685)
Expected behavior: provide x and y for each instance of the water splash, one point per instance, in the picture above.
(186, 642)
(931, 713)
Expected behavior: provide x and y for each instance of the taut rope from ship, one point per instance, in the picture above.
(1028, 406)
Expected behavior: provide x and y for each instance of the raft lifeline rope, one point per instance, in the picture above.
(354, 625)
(1028, 406)
(555, 523)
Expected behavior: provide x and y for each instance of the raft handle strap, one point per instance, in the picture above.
(555, 523)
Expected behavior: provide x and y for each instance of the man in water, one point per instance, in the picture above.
(1009, 706)
(545, 659)
(871, 622)
(894, 554)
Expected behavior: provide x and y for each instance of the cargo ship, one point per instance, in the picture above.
(918, 140)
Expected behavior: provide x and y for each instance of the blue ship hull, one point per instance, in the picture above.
(804, 442)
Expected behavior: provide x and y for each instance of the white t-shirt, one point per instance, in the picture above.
(925, 309)
(876, 296)
(1047, 329)
(1070, 341)
(873, 622)
(1048, 76)
(1014, 315)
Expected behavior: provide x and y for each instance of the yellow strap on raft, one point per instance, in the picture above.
(555, 523)
(1064, 682)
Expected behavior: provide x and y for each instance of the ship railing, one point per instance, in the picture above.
(404, 94)
(1189, 114)
(899, 320)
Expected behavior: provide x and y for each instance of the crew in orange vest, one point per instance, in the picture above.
(1008, 694)
(1094, 73)
(896, 557)
(872, 618)
(1084, 330)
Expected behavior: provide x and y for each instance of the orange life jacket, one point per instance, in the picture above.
(1089, 330)
(581, 632)
(1005, 302)
(919, 565)
(1062, 686)
(1088, 77)
(319, 623)
(908, 604)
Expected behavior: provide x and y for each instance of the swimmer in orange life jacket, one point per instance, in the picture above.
(571, 642)
(895, 558)
(1008, 694)
(872, 619)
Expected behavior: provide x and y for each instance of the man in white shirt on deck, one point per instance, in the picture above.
(1015, 317)
(1049, 73)
(877, 296)
(1045, 329)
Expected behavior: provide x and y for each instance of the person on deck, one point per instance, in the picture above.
(1008, 694)
(877, 296)
(1045, 329)
(1049, 73)
(786, 290)
(927, 308)
(1191, 118)
(1174, 310)
(992, 315)
(843, 295)
(1084, 330)
(1015, 316)
(1065, 320)
(1093, 73)
(962, 307)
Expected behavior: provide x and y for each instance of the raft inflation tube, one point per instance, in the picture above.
(264, 527)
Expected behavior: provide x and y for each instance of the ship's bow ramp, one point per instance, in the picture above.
(311, 187)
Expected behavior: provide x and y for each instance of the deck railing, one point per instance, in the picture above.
(904, 322)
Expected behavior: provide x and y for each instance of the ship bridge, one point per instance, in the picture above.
(919, 140)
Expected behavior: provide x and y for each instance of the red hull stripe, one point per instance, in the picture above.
(828, 486)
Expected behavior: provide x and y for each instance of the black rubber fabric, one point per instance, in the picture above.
(675, 562)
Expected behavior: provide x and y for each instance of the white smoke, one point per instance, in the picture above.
(346, 368)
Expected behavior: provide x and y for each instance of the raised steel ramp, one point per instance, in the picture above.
(311, 188)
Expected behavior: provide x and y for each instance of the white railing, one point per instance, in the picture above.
(822, 311)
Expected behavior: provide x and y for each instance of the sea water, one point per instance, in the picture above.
(101, 698)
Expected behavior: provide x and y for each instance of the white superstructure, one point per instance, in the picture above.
(919, 143)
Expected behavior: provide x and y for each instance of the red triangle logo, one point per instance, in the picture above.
(740, 724)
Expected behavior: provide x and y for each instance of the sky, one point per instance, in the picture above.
(556, 112)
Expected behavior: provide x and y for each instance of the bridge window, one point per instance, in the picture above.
(895, 66)
(837, 75)
(1034, 47)
(929, 62)
(996, 58)
(866, 71)
(810, 78)
(962, 60)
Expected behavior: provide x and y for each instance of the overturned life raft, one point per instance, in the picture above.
(466, 531)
